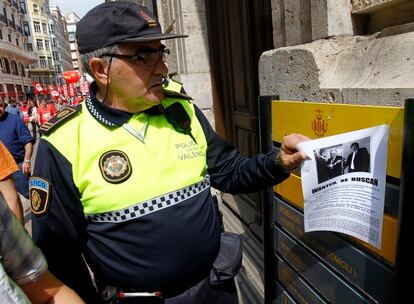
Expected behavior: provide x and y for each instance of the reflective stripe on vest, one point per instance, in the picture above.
(152, 205)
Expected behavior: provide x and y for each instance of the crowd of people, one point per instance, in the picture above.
(36, 111)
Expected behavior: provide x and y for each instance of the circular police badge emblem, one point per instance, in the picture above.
(115, 166)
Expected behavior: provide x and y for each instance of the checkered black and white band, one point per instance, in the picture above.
(95, 113)
(152, 205)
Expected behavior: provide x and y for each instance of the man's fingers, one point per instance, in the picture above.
(290, 141)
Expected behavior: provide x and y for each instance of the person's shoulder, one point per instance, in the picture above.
(59, 119)
(175, 89)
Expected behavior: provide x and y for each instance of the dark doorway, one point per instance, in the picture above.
(239, 32)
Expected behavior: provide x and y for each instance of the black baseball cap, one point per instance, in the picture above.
(118, 21)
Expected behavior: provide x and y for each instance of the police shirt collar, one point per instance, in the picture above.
(104, 114)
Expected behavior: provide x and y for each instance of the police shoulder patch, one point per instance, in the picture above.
(115, 166)
(60, 116)
(39, 195)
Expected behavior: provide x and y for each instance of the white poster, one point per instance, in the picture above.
(343, 183)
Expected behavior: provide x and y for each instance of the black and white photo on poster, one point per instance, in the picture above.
(343, 182)
(334, 161)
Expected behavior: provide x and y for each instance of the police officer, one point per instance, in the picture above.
(122, 182)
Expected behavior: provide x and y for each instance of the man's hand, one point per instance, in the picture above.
(26, 168)
(289, 157)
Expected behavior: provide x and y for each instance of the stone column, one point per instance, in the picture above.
(331, 18)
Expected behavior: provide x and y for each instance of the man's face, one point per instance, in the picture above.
(354, 148)
(136, 85)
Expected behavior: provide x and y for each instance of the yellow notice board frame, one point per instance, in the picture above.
(302, 117)
(318, 120)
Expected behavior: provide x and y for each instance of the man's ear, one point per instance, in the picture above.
(99, 68)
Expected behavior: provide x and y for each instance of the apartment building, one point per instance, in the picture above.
(16, 50)
(43, 70)
(71, 20)
(59, 40)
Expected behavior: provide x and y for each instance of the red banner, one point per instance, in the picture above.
(84, 87)
(65, 90)
(72, 90)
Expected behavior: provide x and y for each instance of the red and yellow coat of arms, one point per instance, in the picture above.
(319, 125)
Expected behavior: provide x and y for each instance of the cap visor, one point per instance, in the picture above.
(154, 37)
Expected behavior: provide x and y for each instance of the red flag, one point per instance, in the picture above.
(38, 88)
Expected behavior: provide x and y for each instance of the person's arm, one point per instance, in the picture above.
(27, 140)
(231, 172)
(7, 186)
(28, 150)
(10, 195)
(48, 289)
(25, 264)
(60, 229)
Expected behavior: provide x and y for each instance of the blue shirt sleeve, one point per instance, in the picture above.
(23, 132)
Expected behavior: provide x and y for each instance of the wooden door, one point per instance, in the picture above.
(239, 31)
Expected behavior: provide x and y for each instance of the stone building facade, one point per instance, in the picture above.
(342, 51)
(16, 50)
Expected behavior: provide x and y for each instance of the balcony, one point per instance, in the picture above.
(42, 70)
(19, 29)
(15, 4)
(11, 23)
(11, 49)
(3, 19)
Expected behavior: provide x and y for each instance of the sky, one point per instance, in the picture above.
(80, 7)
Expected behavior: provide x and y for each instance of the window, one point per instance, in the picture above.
(49, 62)
(47, 46)
(14, 69)
(1, 34)
(23, 6)
(30, 47)
(44, 28)
(26, 28)
(71, 37)
(54, 42)
(42, 61)
(6, 66)
(39, 43)
(55, 55)
(22, 71)
(9, 36)
(17, 42)
(36, 25)
(52, 28)
(35, 8)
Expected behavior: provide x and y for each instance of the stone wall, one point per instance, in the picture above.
(189, 58)
(342, 51)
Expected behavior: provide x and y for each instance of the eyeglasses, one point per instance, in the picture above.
(150, 57)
